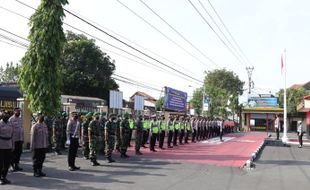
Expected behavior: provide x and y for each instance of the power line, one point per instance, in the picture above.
(123, 79)
(130, 46)
(176, 31)
(136, 82)
(14, 34)
(100, 26)
(219, 37)
(13, 40)
(226, 28)
(131, 41)
(167, 37)
(218, 27)
(179, 72)
(22, 47)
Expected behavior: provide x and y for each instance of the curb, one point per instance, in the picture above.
(249, 163)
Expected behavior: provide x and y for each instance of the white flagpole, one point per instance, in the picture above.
(284, 138)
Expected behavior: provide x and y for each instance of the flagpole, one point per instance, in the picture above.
(284, 137)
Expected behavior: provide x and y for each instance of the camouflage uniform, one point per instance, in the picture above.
(57, 134)
(124, 134)
(64, 122)
(85, 138)
(110, 131)
(93, 133)
(118, 135)
(101, 138)
(139, 134)
(49, 123)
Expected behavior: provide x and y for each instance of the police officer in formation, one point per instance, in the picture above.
(131, 126)
(6, 147)
(18, 139)
(162, 133)
(188, 128)
(39, 145)
(154, 130)
(170, 126)
(57, 133)
(182, 130)
(146, 131)
(84, 135)
(93, 136)
(176, 124)
(73, 135)
(124, 135)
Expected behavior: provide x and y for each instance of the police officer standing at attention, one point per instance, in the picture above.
(170, 131)
(57, 133)
(131, 126)
(73, 134)
(6, 147)
(300, 133)
(39, 145)
(93, 136)
(188, 127)
(182, 130)
(154, 133)
(84, 137)
(18, 139)
(176, 124)
(124, 135)
(162, 134)
(221, 126)
(109, 132)
(277, 126)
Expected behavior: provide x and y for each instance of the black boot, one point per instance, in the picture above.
(110, 160)
(41, 173)
(36, 173)
(95, 163)
(17, 168)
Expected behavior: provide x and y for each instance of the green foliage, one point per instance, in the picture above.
(9, 74)
(196, 101)
(86, 70)
(293, 97)
(222, 87)
(160, 104)
(40, 76)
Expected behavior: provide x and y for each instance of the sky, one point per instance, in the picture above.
(262, 29)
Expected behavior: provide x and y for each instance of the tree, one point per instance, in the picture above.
(159, 105)
(294, 97)
(9, 74)
(86, 70)
(40, 76)
(196, 101)
(221, 87)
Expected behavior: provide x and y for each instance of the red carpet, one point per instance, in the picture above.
(235, 151)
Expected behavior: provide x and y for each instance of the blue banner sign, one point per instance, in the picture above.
(175, 100)
(263, 102)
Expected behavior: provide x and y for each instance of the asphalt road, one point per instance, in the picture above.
(277, 168)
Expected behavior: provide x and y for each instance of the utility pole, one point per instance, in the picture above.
(251, 83)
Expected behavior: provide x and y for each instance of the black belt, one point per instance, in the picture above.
(5, 138)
